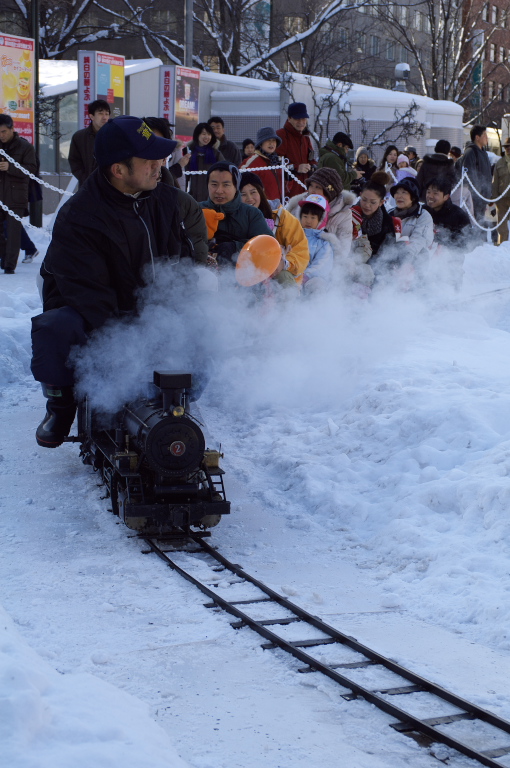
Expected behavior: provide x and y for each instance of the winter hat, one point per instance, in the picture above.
(297, 110)
(409, 148)
(247, 177)
(361, 151)
(127, 136)
(443, 147)
(330, 181)
(224, 166)
(248, 141)
(263, 134)
(342, 138)
(410, 185)
(402, 159)
(321, 202)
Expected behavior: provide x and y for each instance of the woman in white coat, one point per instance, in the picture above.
(410, 255)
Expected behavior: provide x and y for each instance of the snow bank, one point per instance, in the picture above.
(48, 719)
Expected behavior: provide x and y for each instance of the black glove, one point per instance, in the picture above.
(226, 253)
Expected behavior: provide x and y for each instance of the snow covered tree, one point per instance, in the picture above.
(453, 44)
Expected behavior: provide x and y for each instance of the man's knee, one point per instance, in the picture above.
(53, 334)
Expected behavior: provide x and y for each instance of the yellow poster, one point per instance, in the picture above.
(17, 83)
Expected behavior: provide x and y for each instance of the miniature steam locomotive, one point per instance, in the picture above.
(154, 462)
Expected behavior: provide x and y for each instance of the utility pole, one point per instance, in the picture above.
(188, 33)
(36, 208)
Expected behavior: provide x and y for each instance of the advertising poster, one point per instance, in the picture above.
(100, 76)
(17, 83)
(167, 93)
(187, 86)
(110, 81)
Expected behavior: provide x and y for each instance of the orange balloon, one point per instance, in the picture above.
(257, 260)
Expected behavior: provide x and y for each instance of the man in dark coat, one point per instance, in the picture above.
(296, 146)
(476, 161)
(334, 155)
(240, 221)
(228, 149)
(119, 222)
(81, 152)
(452, 229)
(14, 188)
(436, 165)
(452, 225)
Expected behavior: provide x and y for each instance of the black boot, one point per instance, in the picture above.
(60, 413)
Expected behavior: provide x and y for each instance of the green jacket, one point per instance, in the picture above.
(334, 157)
(241, 222)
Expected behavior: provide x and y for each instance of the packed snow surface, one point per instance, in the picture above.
(367, 450)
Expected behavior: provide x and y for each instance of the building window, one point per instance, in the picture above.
(343, 36)
(492, 52)
(390, 50)
(403, 15)
(375, 45)
(486, 12)
(362, 43)
(501, 94)
(502, 54)
(292, 25)
(212, 62)
(494, 15)
(404, 54)
(491, 90)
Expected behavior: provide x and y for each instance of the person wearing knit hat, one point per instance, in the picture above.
(296, 147)
(327, 182)
(265, 156)
(365, 164)
(334, 155)
(500, 183)
(404, 169)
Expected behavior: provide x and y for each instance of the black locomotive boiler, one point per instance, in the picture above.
(154, 462)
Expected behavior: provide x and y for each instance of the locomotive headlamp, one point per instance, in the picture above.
(178, 411)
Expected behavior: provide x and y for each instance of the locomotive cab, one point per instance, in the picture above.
(154, 462)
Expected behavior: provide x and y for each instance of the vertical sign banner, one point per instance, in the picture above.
(167, 93)
(100, 76)
(110, 81)
(187, 89)
(17, 95)
(86, 85)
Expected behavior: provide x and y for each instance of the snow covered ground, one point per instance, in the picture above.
(368, 457)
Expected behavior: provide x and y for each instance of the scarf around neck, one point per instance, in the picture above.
(373, 224)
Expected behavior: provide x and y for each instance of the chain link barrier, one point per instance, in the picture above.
(284, 167)
(31, 175)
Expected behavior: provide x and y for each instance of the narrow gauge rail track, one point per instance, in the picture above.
(490, 732)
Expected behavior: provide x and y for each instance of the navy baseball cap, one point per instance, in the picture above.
(128, 136)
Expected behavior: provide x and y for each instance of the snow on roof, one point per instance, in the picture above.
(59, 77)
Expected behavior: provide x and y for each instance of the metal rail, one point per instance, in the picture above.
(413, 683)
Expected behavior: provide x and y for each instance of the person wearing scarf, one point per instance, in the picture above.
(415, 243)
(266, 144)
(204, 153)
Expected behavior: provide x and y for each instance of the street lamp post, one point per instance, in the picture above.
(188, 33)
(36, 208)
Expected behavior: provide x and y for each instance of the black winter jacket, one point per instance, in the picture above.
(81, 154)
(14, 183)
(479, 169)
(452, 225)
(102, 240)
(435, 166)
